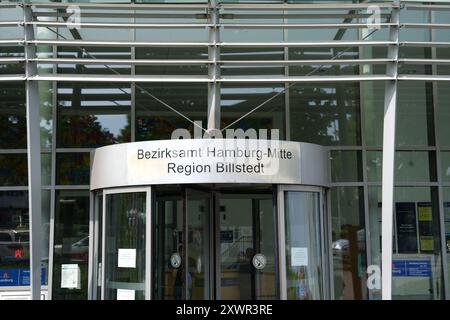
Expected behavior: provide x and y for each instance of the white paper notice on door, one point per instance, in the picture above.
(299, 256)
(70, 276)
(125, 294)
(126, 258)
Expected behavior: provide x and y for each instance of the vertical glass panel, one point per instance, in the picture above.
(167, 243)
(346, 166)
(412, 166)
(374, 166)
(92, 115)
(326, 114)
(196, 261)
(14, 237)
(125, 246)
(238, 100)
(99, 230)
(445, 163)
(46, 103)
(372, 102)
(447, 225)
(71, 245)
(375, 235)
(72, 168)
(46, 168)
(415, 125)
(13, 170)
(417, 261)
(267, 276)
(349, 243)
(443, 110)
(303, 247)
(13, 125)
(247, 248)
(155, 121)
(46, 205)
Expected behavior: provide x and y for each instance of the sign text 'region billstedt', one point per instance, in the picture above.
(233, 160)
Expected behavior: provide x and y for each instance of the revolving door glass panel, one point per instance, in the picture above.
(124, 246)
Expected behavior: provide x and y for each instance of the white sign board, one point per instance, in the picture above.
(299, 256)
(126, 258)
(125, 294)
(209, 161)
(70, 276)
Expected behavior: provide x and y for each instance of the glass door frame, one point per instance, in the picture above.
(324, 236)
(148, 235)
(232, 195)
(189, 192)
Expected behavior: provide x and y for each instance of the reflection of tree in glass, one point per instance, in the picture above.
(156, 128)
(84, 131)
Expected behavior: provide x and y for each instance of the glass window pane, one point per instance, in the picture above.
(372, 101)
(167, 231)
(417, 260)
(46, 102)
(445, 163)
(326, 114)
(72, 168)
(71, 243)
(92, 115)
(94, 53)
(13, 170)
(415, 126)
(303, 247)
(447, 224)
(375, 234)
(125, 234)
(415, 166)
(374, 166)
(349, 243)
(46, 167)
(13, 125)
(14, 234)
(443, 111)
(238, 100)
(346, 166)
(155, 121)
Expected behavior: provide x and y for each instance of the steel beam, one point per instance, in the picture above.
(390, 106)
(34, 160)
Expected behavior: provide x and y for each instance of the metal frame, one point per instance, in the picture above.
(148, 235)
(390, 106)
(34, 162)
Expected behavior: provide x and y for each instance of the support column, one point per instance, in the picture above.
(34, 157)
(390, 106)
(213, 68)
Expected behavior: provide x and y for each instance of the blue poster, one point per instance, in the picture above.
(18, 277)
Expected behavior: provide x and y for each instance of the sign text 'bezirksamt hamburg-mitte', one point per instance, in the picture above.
(233, 160)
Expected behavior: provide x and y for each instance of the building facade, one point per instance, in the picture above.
(366, 80)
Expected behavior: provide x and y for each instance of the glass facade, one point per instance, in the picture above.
(321, 76)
